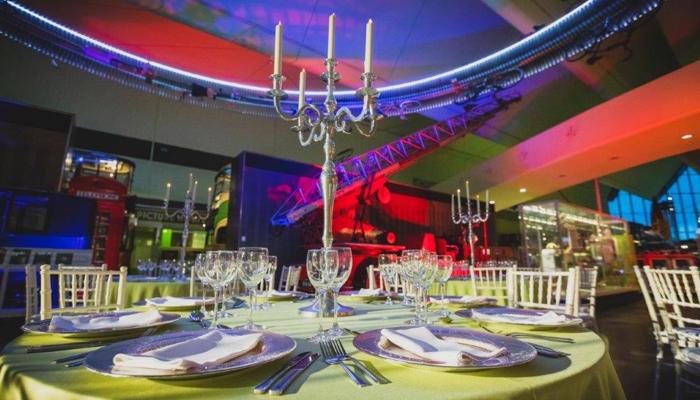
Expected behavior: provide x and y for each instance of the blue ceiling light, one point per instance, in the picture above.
(575, 33)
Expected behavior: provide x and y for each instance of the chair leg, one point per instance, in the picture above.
(679, 380)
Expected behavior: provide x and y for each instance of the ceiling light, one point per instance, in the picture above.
(523, 190)
(687, 136)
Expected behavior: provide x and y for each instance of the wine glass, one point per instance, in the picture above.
(220, 270)
(253, 266)
(201, 273)
(425, 278)
(322, 270)
(341, 276)
(269, 275)
(443, 274)
(388, 269)
(411, 263)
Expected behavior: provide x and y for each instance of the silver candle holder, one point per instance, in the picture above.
(313, 124)
(469, 218)
(187, 212)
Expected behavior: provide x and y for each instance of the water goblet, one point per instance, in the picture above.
(443, 274)
(388, 264)
(253, 266)
(201, 273)
(411, 264)
(220, 270)
(341, 276)
(322, 270)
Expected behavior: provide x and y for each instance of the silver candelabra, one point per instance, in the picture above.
(469, 218)
(315, 125)
(187, 212)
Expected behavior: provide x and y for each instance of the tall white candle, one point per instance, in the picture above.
(368, 46)
(459, 203)
(189, 184)
(208, 198)
(331, 36)
(478, 205)
(194, 192)
(302, 87)
(167, 191)
(278, 49)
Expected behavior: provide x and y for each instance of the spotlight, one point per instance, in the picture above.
(523, 190)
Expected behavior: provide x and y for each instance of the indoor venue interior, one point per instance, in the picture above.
(454, 199)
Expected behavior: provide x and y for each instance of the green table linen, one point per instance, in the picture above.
(587, 374)
(137, 291)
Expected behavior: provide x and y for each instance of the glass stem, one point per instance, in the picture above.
(251, 299)
(203, 309)
(442, 297)
(321, 304)
(215, 319)
(335, 307)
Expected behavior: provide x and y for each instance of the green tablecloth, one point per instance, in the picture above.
(137, 291)
(587, 374)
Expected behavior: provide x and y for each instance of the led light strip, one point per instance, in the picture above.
(438, 78)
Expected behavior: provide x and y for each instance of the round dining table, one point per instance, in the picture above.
(587, 373)
(140, 288)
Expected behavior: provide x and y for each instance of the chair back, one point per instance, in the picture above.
(675, 291)
(31, 294)
(587, 282)
(660, 334)
(552, 290)
(293, 277)
(490, 281)
(81, 289)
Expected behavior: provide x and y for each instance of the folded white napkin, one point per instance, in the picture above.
(93, 322)
(452, 351)
(277, 293)
(548, 318)
(170, 301)
(691, 354)
(213, 348)
(368, 292)
(462, 300)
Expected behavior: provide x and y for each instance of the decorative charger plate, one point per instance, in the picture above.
(273, 346)
(295, 296)
(455, 302)
(42, 327)
(483, 314)
(354, 295)
(183, 307)
(517, 352)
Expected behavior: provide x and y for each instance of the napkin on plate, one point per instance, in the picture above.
(213, 348)
(548, 318)
(462, 300)
(452, 351)
(94, 322)
(277, 293)
(170, 301)
(368, 292)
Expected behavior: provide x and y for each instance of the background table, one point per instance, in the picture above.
(587, 374)
(140, 290)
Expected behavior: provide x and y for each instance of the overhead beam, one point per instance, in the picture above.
(640, 126)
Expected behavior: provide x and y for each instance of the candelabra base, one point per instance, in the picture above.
(311, 311)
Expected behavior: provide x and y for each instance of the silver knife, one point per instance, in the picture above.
(281, 385)
(265, 385)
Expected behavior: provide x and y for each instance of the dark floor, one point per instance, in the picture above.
(625, 322)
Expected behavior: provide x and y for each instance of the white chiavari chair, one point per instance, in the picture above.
(677, 294)
(293, 277)
(81, 290)
(551, 290)
(491, 282)
(660, 334)
(31, 294)
(588, 282)
(373, 276)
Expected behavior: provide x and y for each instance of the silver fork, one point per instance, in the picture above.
(330, 358)
(340, 352)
